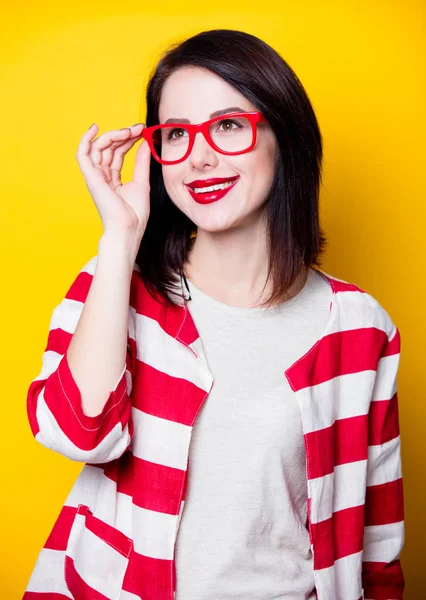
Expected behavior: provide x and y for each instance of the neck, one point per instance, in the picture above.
(232, 267)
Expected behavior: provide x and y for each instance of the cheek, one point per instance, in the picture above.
(172, 176)
(262, 168)
(173, 184)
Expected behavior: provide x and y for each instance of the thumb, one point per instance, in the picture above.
(142, 164)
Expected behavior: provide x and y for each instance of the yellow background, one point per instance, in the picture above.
(65, 67)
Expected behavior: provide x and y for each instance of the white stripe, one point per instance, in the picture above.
(51, 362)
(90, 266)
(343, 397)
(48, 574)
(154, 533)
(182, 506)
(66, 315)
(343, 489)
(384, 462)
(386, 379)
(348, 577)
(341, 581)
(97, 491)
(160, 441)
(198, 348)
(51, 435)
(360, 309)
(383, 543)
(167, 354)
(128, 596)
(84, 547)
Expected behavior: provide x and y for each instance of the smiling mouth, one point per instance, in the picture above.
(212, 188)
(218, 192)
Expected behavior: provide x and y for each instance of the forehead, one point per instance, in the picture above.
(194, 93)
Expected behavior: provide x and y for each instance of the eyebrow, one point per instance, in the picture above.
(217, 113)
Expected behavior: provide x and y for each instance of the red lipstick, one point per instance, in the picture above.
(209, 197)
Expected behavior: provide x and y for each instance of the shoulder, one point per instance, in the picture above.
(353, 300)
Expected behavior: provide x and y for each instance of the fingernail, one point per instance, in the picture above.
(91, 126)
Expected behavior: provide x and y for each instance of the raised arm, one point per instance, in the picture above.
(80, 404)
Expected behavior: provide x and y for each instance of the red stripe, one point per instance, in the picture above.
(351, 441)
(383, 421)
(150, 485)
(59, 535)
(32, 396)
(44, 596)
(344, 286)
(384, 503)
(339, 536)
(77, 586)
(320, 452)
(80, 287)
(149, 578)
(383, 580)
(172, 319)
(340, 353)
(342, 443)
(153, 389)
(63, 398)
(58, 341)
(394, 345)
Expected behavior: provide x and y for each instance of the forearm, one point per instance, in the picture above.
(97, 351)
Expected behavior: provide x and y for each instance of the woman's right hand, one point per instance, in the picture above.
(122, 207)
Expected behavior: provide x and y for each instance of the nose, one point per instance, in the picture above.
(202, 153)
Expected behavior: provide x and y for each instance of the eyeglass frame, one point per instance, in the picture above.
(253, 116)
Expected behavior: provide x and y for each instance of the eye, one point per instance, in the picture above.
(228, 124)
(180, 130)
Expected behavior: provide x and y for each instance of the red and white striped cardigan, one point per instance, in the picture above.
(115, 535)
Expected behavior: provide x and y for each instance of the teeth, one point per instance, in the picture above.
(213, 188)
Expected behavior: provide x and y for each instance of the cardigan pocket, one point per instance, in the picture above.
(96, 557)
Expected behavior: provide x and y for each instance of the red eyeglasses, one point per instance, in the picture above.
(233, 133)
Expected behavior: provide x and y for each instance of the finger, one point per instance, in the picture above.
(113, 170)
(83, 151)
(142, 164)
(109, 154)
(115, 178)
(97, 149)
(106, 139)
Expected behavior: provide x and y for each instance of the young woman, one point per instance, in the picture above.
(236, 407)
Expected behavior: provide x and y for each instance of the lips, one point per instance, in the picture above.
(197, 183)
(209, 197)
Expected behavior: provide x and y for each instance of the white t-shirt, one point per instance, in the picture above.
(243, 533)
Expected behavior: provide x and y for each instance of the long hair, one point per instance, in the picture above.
(294, 236)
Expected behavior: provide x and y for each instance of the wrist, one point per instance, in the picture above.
(119, 246)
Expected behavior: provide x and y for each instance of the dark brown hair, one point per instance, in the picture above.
(260, 74)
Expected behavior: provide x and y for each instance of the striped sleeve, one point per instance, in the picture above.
(54, 408)
(382, 574)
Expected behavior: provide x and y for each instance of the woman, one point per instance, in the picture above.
(249, 448)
